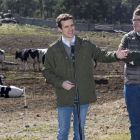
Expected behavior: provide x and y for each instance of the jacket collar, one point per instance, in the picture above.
(77, 45)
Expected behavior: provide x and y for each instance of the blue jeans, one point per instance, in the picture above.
(132, 99)
(64, 117)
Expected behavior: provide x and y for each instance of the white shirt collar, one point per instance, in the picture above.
(138, 34)
(67, 42)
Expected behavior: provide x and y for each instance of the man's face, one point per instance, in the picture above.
(136, 23)
(68, 29)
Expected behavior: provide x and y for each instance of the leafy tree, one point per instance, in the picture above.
(27, 7)
(1, 5)
(48, 7)
(67, 6)
(95, 11)
(22, 7)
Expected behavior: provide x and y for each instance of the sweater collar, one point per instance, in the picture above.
(67, 42)
(77, 43)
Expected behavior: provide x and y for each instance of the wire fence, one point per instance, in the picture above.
(27, 126)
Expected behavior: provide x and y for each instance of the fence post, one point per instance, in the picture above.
(26, 124)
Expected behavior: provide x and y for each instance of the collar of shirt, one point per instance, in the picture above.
(67, 42)
(138, 34)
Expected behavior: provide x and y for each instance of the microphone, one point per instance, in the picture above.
(72, 48)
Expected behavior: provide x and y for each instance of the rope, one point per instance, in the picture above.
(109, 92)
(12, 132)
(26, 106)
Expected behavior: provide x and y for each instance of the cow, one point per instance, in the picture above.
(42, 53)
(43, 59)
(28, 56)
(9, 91)
(2, 58)
(31, 56)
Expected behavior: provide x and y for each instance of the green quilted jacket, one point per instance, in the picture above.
(59, 68)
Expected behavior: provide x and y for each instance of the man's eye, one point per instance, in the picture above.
(137, 20)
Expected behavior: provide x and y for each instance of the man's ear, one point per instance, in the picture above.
(60, 30)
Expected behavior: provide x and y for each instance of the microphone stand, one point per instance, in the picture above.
(76, 101)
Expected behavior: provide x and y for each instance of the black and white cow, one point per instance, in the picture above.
(9, 91)
(30, 56)
(2, 57)
(42, 53)
(43, 59)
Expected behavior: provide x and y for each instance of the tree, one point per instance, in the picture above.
(68, 6)
(49, 4)
(97, 11)
(22, 7)
(1, 5)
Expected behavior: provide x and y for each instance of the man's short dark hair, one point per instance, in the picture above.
(137, 11)
(62, 17)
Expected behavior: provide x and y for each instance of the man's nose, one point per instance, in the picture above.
(70, 28)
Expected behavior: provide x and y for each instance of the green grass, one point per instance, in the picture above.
(10, 56)
(16, 29)
(41, 132)
(103, 38)
(10, 29)
(116, 136)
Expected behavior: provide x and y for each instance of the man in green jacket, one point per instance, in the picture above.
(59, 71)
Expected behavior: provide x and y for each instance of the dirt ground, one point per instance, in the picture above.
(106, 118)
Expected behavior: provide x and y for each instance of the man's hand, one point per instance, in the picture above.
(122, 54)
(67, 85)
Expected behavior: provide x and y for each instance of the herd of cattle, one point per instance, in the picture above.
(33, 56)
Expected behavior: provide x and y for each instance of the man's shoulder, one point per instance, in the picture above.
(55, 43)
(131, 33)
(85, 39)
(82, 39)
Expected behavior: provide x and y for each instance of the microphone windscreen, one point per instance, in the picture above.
(71, 44)
(72, 47)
